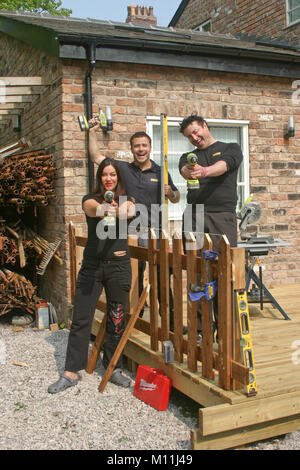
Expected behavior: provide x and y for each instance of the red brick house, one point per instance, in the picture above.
(247, 91)
(274, 19)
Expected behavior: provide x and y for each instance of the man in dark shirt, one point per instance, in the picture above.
(142, 179)
(216, 171)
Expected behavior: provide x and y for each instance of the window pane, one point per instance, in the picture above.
(295, 15)
(177, 145)
(293, 4)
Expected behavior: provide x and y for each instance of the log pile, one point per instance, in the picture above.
(20, 245)
(27, 178)
(16, 292)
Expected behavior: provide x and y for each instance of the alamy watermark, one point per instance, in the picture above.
(296, 93)
(193, 222)
(296, 354)
(2, 92)
(2, 352)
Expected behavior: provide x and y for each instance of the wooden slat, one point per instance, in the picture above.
(225, 317)
(238, 282)
(19, 99)
(23, 90)
(178, 298)
(23, 81)
(134, 289)
(236, 438)
(153, 291)
(191, 306)
(164, 284)
(12, 106)
(207, 336)
(9, 112)
(227, 417)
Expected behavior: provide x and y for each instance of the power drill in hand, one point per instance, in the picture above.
(192, 160)
(104, 118)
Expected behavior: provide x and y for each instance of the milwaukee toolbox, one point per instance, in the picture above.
(152, 387)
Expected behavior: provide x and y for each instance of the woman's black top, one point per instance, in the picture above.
(106, 235)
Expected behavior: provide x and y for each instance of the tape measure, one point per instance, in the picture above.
(242, 311)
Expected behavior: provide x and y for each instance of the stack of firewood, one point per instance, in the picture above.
(27, 178)
(20, 245)
(16, 292)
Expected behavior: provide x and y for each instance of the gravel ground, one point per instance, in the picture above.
(81, 418)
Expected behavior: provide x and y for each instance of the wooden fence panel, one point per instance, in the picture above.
(229, 268)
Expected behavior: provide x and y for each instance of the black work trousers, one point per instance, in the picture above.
(115, 277)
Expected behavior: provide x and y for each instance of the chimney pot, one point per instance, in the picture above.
(141, 15)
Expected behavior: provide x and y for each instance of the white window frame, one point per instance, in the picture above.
(201, 26)
(288, 11)
(241, 124)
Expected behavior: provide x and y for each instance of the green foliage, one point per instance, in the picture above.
(36, 6)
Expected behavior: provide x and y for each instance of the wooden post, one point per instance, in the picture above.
(177, 297)
(152, 260)
(191, 273)
(238, 282)
(164, 284)
(225, 315)
(134, 290)
(206, 305)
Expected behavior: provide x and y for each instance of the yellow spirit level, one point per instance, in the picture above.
(242, 311)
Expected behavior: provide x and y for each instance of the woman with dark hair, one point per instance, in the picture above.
(106, 264)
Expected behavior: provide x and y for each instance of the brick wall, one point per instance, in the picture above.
(140, 91)
(135, 92)
(267, 18)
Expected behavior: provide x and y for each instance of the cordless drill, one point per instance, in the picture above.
(192, 160)
(110, 220)
(104, 118)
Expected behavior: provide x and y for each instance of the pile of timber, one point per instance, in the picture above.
(27, 177)
(21, 245)
(16, 292)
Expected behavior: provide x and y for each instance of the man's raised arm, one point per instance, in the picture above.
(95, 155)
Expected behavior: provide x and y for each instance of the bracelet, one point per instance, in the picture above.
(204, 171)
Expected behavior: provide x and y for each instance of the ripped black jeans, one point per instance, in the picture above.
(115, 277)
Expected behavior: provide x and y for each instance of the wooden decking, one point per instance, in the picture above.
(230, 418)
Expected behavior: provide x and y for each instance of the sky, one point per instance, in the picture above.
(116, 10)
